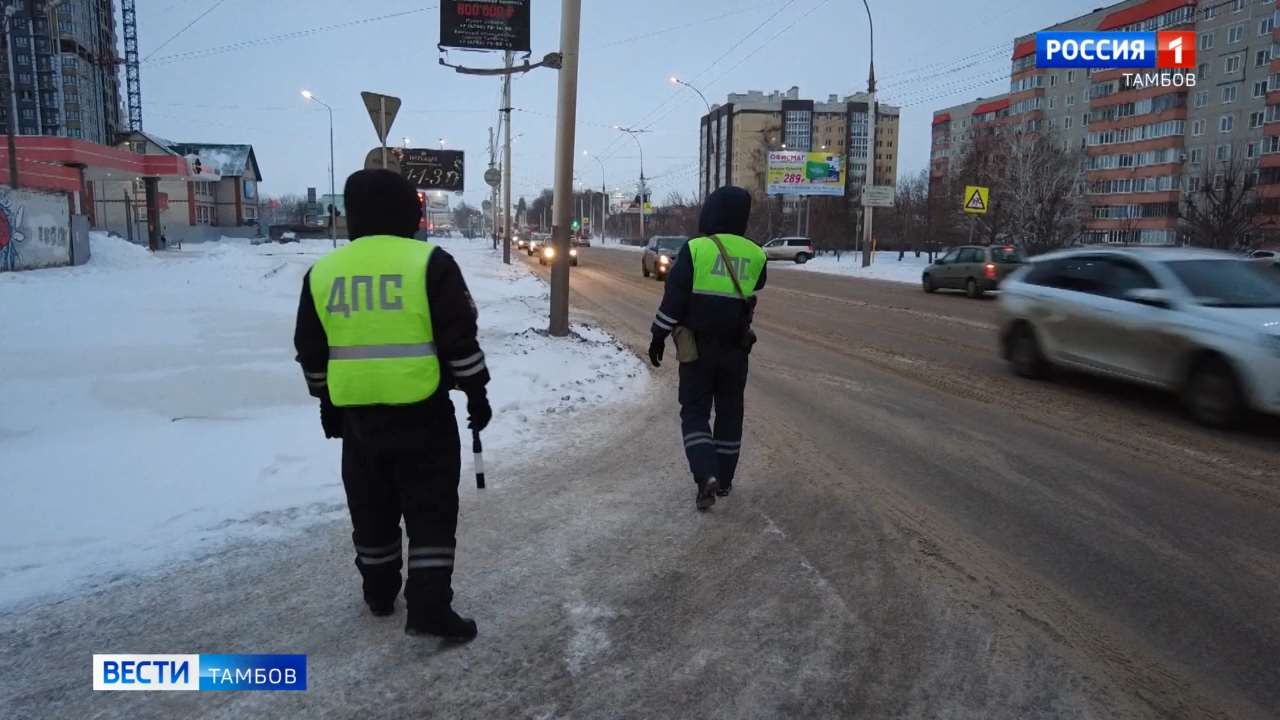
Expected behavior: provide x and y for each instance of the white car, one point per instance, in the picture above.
(1201, 323)
(798, 250)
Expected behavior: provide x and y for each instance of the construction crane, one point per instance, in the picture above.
(132, 76)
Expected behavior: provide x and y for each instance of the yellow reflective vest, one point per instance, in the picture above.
(711, 276)
(371, 297)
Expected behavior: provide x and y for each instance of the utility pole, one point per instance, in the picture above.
(9, 11)
(872, 111)
(566, 123)
(633, 134)
(493, 202)
(506, 159)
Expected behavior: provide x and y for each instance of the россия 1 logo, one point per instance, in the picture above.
(1121, 50)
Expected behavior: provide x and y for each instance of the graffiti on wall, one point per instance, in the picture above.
(35, 230)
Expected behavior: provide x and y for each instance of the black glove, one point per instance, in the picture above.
(656, 349)
(478, 411)
(331, 419)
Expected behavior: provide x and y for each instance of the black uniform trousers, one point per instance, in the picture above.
(715, 381)
(392, 470)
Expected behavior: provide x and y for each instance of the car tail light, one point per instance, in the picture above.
(991, 270)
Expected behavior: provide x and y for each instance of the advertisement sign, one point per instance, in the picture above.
(793, 172)
(432, 169)
(485, 24)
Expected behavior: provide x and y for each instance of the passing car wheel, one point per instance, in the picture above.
(1213, 396)
(1025, 356)
(802, 258)
(971, 289)
(929, 287)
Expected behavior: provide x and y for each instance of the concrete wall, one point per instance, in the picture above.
(35, 229)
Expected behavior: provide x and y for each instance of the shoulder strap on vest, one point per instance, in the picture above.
(729, 265)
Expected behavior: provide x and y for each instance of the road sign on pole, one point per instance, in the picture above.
(375, 160)
(382, 111)
(877, 196)
(977, 199)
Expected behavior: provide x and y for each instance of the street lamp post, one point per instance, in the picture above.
(634, 136)
(604, 196)
(701, 187)
(872, 111)
(333, 192)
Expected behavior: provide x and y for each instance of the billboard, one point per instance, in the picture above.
(794, 172)
(485, 24)
(432, 169)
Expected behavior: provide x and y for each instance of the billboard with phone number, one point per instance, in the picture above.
(793, 172)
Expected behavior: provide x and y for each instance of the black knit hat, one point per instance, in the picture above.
(380, 202)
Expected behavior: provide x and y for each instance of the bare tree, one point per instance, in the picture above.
(1042, 187)
(1224, 212)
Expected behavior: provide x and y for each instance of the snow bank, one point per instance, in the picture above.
(885, 267)
(152, 409)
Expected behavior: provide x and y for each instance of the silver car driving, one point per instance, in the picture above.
(1201, 323)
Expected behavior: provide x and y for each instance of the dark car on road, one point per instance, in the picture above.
(976, 269)
(660, 254)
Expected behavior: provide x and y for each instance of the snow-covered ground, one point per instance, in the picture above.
(150, 407)
(885, 267)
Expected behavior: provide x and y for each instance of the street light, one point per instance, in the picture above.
(869, 213)
(333, 191)
(634, 136)
(677, 81)
(604, 196)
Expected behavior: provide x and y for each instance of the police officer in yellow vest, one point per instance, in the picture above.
(386, 328)
(709, 301)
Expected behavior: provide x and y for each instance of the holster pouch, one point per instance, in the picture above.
(686, 344)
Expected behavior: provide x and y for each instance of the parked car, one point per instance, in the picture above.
(799, 250)
(1201, 323)
(548, 254)
(1266, 258)
(288, 236)
(582, 241)
(660, 254)
(976, 269)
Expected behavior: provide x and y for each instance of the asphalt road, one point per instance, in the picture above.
(915, 534)
(1123, 560)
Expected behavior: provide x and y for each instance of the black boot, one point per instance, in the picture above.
(726, 487)
(445, 624)
(382, 609)
(707, 490)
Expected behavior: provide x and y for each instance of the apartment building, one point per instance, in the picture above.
(1149, 144)
(954, 128)
(65, 73)
(735, 138)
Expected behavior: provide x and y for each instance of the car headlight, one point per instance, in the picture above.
(573, 252)
(664, 259)
(549, 252)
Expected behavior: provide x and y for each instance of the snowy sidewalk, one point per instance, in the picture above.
(153, 410)
(886, 266)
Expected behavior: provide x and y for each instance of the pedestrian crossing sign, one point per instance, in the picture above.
(976, 199)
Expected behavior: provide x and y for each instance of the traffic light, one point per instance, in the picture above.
(574, 225)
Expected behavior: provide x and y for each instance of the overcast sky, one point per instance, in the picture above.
(235, 76)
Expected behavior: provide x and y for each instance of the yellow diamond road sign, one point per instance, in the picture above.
(976, 199)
